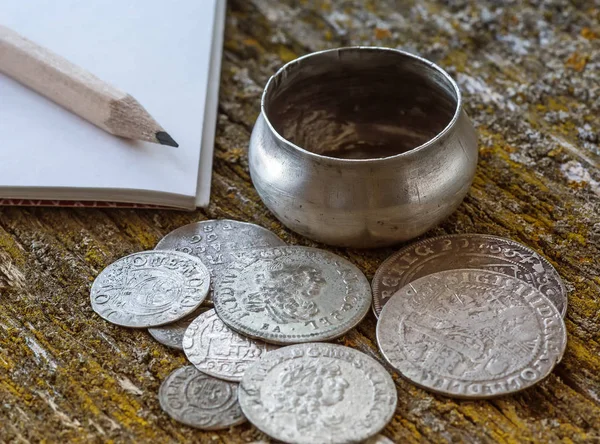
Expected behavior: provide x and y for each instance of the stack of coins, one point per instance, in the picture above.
(469, 316)
(265, 294)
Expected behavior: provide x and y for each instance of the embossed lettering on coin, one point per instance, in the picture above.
(467, 251)
(214, 241)
(318, 392)
(198, 400)
(292, 294)
(150, 288)
(471, 333)
(171, 335)
(217, 350)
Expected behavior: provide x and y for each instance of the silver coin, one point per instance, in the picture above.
(150, 288)
(217, 350)
(198, 400)
(318, 393)
(214, 241)
(292, 294)
(471, 333)
(171, 335)
(467, 251)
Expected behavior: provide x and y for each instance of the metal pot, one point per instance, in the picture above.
(362, 146)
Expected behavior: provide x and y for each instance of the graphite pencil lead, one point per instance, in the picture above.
(164, 139)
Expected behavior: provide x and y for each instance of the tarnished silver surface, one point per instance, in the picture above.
(478, 251)
(471, 333)
(318, 393)
(171, 335)
(217, 350)
(198, 400)
(214, 242)
(292, 294)
(362, 147)
(150, 288)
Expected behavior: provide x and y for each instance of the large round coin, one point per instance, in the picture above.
(150, 288)
(467, 251)
(216, 241)
(198, 400)
(171, 335)
(292, 294)
(217, 350)
(471, 333)
(318, 392)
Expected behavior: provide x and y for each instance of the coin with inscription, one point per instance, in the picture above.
(289, 295)
(198, 400)
(471, 333)
(318, 393)
(171, 335)
(150, 288)
(217, 350)
(478, 251)
(215, 242)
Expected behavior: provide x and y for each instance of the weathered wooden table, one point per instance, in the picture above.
(531, 80)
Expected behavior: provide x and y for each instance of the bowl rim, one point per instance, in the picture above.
(451, 124)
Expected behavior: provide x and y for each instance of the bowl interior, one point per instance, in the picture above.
(360, 103)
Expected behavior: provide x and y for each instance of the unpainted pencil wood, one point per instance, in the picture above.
(77, 90)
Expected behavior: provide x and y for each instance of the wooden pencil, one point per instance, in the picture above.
(77, 90)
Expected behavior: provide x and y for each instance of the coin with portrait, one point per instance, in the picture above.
(471, 333)
(318, 392)
(215, 242)
(198, 400)
(288, 295)
(150, 288)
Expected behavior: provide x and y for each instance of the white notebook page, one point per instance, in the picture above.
(157, 51)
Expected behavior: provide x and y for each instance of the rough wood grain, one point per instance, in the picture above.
(531, 80)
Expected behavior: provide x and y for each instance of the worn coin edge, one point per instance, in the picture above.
(386, 374)
(530, 384)
(204, 290)
(162, 389)
(375, 282)
(207, 221)
(231, 378)
(282, 339)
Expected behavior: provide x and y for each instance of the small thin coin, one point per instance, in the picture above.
(214, 241)
(288, 295)
(471, 333)
(198, 400)
(150, 288)
(171, 335)
(217, 350)
(318, 392)
(458, 251)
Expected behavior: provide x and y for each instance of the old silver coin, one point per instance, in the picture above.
(198, 400)
(150, 288)
(217, 350)
(471, 333)
(467, 251)
(292, 294)
(318, 393)
(215, 241)
(171, 335)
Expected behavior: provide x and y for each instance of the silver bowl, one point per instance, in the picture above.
(362, 146)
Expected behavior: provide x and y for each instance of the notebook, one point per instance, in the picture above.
(165, 54)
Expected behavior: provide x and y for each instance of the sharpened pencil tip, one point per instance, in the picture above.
(164, 139)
